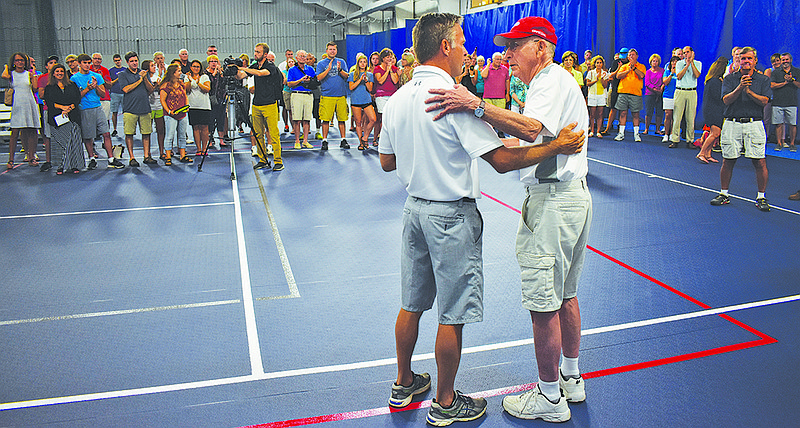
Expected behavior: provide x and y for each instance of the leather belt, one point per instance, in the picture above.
(744, 119)
(686, 89)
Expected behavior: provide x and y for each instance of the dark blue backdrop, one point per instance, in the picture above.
(711, 27)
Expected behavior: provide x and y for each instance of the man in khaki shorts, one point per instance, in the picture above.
(136, 106)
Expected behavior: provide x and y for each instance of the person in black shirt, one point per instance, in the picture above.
(268, 89)
(745, 93)
(784, 102)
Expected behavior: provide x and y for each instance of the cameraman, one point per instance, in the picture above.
(268, 88)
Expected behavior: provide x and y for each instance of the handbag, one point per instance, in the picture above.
(8, 99)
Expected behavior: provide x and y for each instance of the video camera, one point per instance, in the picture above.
(230, 66)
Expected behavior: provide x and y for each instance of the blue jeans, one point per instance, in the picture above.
(175, 128)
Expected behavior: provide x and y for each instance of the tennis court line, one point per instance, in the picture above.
(287, 267)
(672, 180)
(117, 210)
(119, 312)
(417, 357)
(253, 345)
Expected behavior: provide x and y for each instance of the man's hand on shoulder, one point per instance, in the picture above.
(451, 101)
(569, 142)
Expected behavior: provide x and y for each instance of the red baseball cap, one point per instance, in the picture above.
(531, 26)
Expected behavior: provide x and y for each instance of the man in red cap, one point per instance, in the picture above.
(556, 214)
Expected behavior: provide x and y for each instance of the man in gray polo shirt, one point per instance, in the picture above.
(441, 240)
(136, 106)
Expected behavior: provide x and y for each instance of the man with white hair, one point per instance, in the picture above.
(556, 214)
(183, 57)
(496, 83)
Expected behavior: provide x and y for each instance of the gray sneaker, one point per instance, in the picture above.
(402, 395)
(463, 409)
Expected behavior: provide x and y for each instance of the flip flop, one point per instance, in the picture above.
(702, 158)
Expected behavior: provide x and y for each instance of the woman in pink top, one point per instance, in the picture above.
(387, 77)
(653, 88)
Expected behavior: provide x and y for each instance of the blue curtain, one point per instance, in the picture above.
(769, 26)
(574, 22)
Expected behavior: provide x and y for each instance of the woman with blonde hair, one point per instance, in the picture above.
(25, 118)
(713, 108)
(360, 83)
(653, 88)
(597, 79)
(568, 63)
(407, 61)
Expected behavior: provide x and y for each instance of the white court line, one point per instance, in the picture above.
(373, 363)
(119, 312)
(287, 268)
(651, 175)
(119, 210)
(256, 365)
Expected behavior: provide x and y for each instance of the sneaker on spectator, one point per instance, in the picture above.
(573, 388)
(721, 200)
(637, 138)
(114, 134)
(277, 167)
(619, 137)
(285, 128)
(318, 136)
(45, 167)
(270, 150)
(462, 409)
(401, 396)
(324, 145)
(665, 139)
(762, 204)
(344, 144)
(307, 145)
(534, 405)
(254, 151)
(92, 164)
(261, 165)
(297, 146)
(116, 164)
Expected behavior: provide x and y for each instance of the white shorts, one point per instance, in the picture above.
(595, 100)
(668, 103)
(750, 136)
(380, 103)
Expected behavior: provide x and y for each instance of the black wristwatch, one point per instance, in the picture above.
(480, 110)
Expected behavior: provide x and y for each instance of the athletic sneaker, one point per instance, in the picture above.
(324, 145)
(269, 149)
(116, 164)
(307, 145)
(261, 165)
(45, 167)
(114, 134)
(254, 151)
(721, 200)
(637, 138)
(319, 135)
(297, 146)
(277, 167)
(572, 387)
(534, 405)
(463, 409)
(402, 395)
(619, 137)
(92, 164)
(762, 204)
(344, 144)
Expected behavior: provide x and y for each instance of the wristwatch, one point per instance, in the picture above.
(480, 110)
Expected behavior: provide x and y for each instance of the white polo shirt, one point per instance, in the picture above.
(688, 81)
(555, 99)
(435, 160)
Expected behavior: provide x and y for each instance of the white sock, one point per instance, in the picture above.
(760, 195)
(569, 366)
(550, 390)
(723, 192)
(111, 159)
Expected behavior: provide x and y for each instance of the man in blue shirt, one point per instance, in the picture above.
(332, 74)
(302, 101)
(93, 120)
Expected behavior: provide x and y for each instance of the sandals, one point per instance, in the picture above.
(168, 161)
(10, 165)
(702, 158)
(375, 142)
(364, 145)
(186, 159)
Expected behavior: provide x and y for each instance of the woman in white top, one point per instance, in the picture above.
(198, 85)
(156, 110)
(597, 81)
(25, 119)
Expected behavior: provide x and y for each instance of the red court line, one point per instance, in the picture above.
(764, 340)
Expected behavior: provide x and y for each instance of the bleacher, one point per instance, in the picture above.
(5, 122)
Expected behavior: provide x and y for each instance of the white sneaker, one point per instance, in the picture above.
(534, 405)
(254, 151)
(573, 388)
(619, 137)
(269, 149)
(637, 138)
(665, 139)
